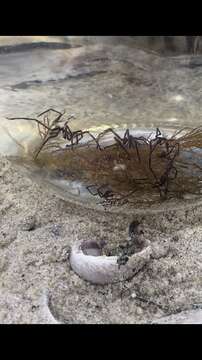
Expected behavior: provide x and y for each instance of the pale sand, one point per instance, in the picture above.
(38, 286)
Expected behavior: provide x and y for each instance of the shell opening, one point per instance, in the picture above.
(91, 248)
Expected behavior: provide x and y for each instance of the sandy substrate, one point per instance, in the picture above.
(38, 286)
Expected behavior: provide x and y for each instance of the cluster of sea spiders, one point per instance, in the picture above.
(49, 130)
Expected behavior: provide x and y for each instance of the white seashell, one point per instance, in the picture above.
(102, 269)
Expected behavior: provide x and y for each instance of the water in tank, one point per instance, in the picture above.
(140, 96)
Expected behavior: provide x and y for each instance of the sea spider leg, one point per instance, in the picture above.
(44, 112)
(152, 148)
(126, 138)
(134, 141)
(57, 119)
(66, 132)
(104, 194)
(106, 131)
(29, 119)
(78, 135)
(122, 146)
(93, 137)
(90, 191)
(55, 133)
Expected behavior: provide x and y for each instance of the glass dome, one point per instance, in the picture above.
(133, 82)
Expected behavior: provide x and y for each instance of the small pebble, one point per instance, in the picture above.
(133, 228)
(56, 229)
(28, 223)
(175, 238)
(133, 295)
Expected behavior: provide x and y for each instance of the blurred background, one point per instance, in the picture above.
(165, 45)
